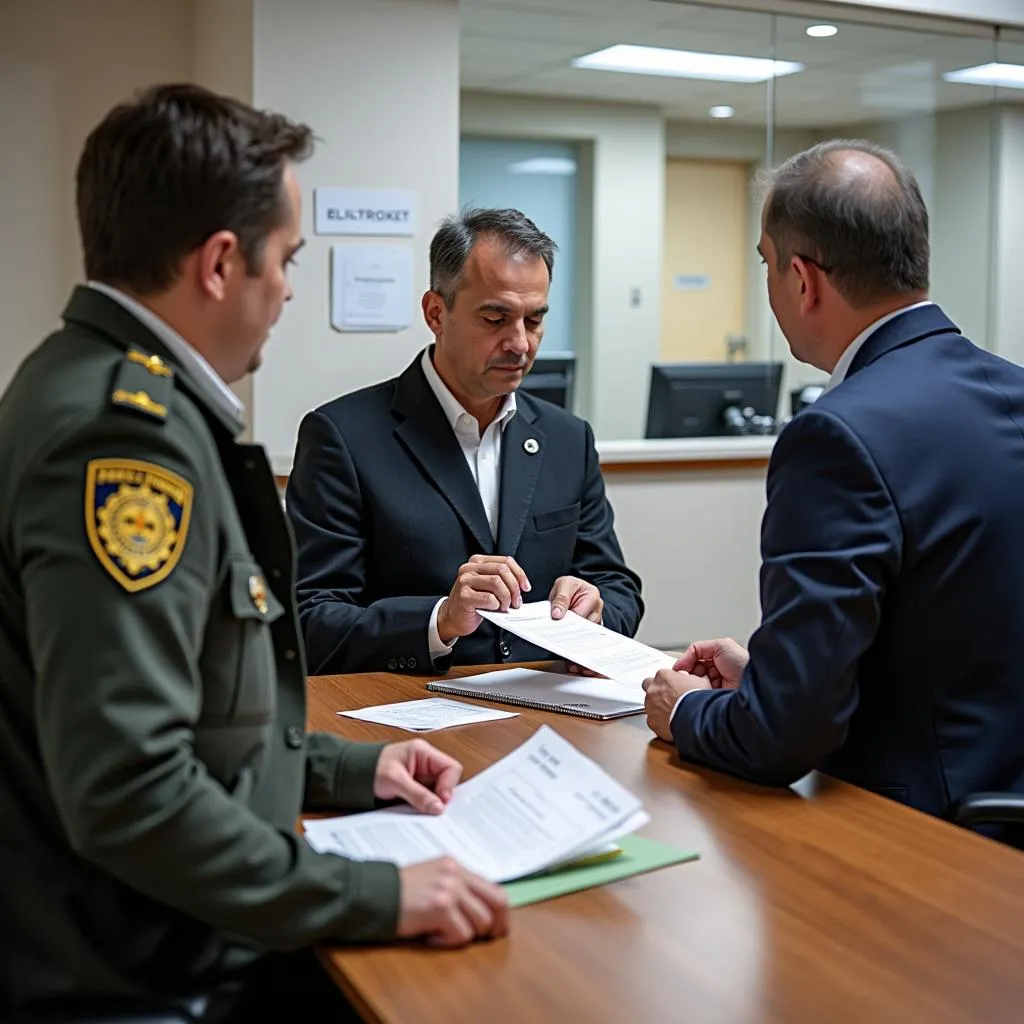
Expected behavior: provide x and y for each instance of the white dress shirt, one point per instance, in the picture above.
(483, 456)
(203, 373)
(842, 368)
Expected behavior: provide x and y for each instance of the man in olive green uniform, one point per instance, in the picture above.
(153, 755)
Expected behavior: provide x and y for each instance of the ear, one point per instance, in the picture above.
(220, 260)
(434, 310)
(807, 277)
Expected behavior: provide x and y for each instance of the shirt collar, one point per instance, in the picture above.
(453, 409)
(203, 373)
(846, 359)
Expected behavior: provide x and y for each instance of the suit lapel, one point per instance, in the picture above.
(430, 441)
(522, 452)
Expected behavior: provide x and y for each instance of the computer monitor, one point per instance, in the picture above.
(551, 378)
(702, 399)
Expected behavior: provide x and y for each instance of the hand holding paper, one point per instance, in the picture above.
(586, 643)
(543, 804)
(417, 773)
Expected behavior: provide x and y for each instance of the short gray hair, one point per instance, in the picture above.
(458, 233)
(868, 232)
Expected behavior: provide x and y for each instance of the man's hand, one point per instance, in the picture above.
(448, 906)
(417, 773)
(572, 593)
(721, 662)
(662, 693)
(492, 582)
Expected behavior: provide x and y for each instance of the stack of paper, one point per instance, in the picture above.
(543, 805)
(584, 642)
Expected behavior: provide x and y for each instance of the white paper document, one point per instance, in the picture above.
(586, 643)
(426, 715)
(543, 804)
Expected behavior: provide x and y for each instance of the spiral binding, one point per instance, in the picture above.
(510, 698)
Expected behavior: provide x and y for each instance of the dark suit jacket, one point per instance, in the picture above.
(385, 510)
(891, 647)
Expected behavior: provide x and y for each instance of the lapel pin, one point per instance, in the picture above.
(530, 446)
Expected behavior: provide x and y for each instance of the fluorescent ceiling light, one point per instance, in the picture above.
(821, 31)
(721, 112)
(543, 165)
(1009, 75)
(654, 60)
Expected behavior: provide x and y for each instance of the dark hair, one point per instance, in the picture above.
(162, 173)
(451, 245)
(868, 231)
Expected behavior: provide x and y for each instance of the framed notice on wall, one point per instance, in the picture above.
(371, 287)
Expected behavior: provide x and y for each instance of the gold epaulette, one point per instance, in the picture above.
(145, 384)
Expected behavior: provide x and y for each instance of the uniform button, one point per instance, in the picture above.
(392, 664)
(275, 574)
(293, 737)
(250, 463)
(412, 663)
(289, 655)
(505, 649)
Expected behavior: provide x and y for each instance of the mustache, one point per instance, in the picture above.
(510, 364)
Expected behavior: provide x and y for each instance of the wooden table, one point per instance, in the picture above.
(825, 905)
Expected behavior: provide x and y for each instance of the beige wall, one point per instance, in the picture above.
(222, 59)
(706, 205)
(693, 537)
(55, 89)
(379, 84)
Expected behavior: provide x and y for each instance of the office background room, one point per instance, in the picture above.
(648, 187)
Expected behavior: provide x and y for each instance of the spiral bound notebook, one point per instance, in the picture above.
(549, 691)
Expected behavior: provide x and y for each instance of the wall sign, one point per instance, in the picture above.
(371, 287)
(364, 211)
(691, 282)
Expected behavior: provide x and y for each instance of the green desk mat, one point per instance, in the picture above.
(638, 856)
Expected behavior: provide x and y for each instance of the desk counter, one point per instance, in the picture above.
(822, 903)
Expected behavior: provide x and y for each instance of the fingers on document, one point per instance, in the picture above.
(467, 908)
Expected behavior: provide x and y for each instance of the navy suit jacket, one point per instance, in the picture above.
(891, 647)
(385, 510)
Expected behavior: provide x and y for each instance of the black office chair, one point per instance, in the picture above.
(998, 816)
(988, 809)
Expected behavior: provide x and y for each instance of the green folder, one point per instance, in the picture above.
(638, 855)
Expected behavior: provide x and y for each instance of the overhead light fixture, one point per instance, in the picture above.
(1009, 76)
(821, 31)
(655, 60)
(543, 165)
(721, 111)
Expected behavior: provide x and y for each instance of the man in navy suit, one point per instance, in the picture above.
(421, 500)
(891, 646)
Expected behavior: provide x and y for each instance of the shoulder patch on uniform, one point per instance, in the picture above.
(145, 384)
(136, 518)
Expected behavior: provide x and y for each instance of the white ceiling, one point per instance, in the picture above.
(864, 73)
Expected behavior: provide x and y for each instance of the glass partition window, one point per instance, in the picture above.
(734, 92)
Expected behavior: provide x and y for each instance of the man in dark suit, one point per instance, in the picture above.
(418, 501)
(891, 647)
